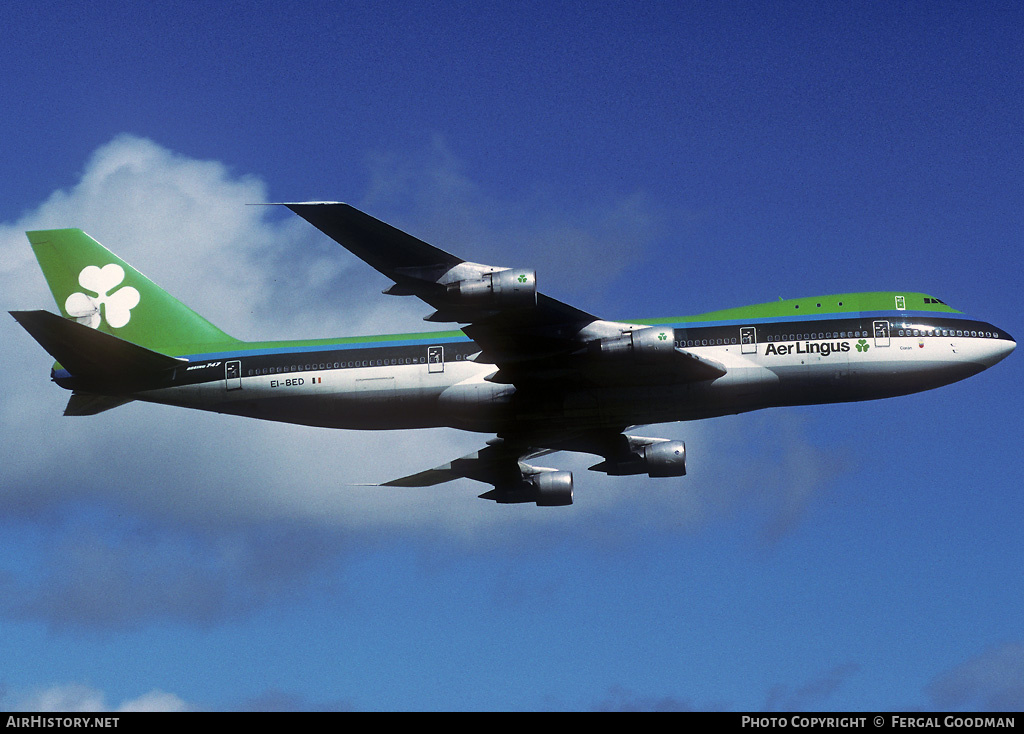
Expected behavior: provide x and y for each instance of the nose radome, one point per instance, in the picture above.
(998, 349)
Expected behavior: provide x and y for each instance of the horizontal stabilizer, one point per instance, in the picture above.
(86, 403)
(91, 355)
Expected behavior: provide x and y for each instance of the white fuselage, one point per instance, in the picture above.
(772, 364)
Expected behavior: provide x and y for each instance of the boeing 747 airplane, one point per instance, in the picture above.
(541, 375)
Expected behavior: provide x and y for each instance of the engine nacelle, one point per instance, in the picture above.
(665, 459)
(649, 343)
(503, 289)
(652, 457)
(552, 488)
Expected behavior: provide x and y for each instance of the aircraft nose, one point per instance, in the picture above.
(999, 348)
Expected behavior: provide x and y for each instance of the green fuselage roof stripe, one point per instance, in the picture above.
(843, 303)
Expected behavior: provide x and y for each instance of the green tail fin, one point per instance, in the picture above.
(97, 288)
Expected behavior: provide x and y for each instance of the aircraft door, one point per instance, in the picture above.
(748, 340)
(435, 359)
(233, 375)
(881, 333)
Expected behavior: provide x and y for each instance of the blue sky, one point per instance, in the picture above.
(649, 160)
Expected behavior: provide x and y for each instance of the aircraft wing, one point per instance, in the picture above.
(389, 250)
(506, 315)
(530, 336)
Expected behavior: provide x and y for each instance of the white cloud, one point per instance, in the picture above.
(155, 700)
(78, 698)
(188, 225)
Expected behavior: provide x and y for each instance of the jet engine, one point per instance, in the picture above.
(651, 342)
(665, 459)
(503, 289)
(545, 488)
(552, 488)
(656, 458)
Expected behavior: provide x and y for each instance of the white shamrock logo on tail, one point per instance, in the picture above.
(117, 306)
